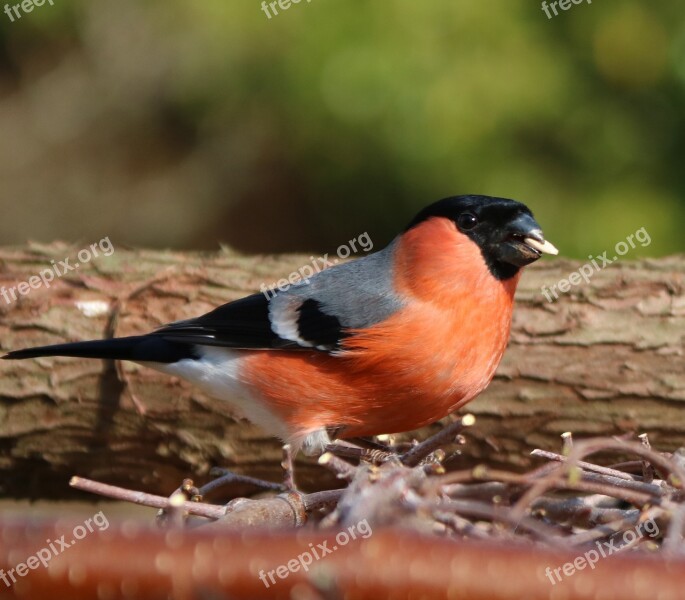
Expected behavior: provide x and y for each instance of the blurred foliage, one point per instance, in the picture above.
(186, 124)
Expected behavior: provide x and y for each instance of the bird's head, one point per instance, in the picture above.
(504, 230)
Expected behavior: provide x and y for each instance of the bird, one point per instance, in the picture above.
(384, 343)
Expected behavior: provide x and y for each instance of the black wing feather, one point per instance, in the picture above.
(242, 323)
(317, 327)
(246, 324)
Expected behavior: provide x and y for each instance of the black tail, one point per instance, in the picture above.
(139, 348)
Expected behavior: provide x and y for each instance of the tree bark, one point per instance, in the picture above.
(604, 358)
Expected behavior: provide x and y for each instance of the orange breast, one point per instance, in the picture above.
(434, 355)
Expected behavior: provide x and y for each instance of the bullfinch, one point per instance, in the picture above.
(385, 343)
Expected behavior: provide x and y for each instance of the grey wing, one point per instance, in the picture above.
(314, 315)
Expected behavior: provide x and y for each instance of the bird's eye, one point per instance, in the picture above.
(467, 221)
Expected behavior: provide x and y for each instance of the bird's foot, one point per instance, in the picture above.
(288, 469)
(370, 451)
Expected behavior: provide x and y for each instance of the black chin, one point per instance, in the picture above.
(508, 257)
(517, 253)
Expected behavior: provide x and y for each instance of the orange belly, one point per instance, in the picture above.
(411, 370)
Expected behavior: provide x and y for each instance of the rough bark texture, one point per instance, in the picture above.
(605, 358)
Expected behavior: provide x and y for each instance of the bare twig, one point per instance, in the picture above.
(583, 465)
(110, 491)
(415, 455)
(647, 469)
(342, 469)
(227, 478)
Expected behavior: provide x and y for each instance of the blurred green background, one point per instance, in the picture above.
(170, 123)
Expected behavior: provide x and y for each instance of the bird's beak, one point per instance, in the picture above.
(524, 242)
(540, 244)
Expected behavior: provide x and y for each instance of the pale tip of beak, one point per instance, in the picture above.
(544, 247)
